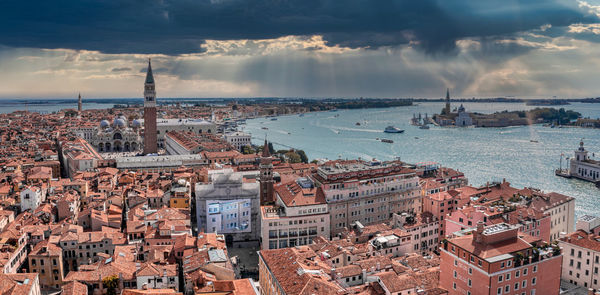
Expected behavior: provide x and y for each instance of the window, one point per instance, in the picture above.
(499, 290)
(533, 281)
(517, 273)
(535, 268)
(500, 277)
(508, 276)
(507, 289)
(525, 271)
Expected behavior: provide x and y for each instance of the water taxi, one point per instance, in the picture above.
(392, 129)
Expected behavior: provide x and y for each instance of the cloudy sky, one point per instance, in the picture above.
(300, 48)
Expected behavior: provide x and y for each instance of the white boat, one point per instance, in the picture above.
(392, 129)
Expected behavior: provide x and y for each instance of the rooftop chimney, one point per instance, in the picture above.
(479, 232)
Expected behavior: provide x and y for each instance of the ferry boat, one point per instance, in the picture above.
(392, 129)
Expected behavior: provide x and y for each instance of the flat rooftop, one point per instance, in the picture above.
(355, 166)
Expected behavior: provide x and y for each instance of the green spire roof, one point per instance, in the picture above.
(149, 76)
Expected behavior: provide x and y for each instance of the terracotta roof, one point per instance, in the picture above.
(74, 288)
(396, 283)
(490, 250)
(583, 239)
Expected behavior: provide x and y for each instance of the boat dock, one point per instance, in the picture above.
(562, 173)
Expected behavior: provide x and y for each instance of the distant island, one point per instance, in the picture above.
(547, 102)
(461, 118)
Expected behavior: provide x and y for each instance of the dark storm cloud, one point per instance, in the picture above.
(125, 69)
(181, 26)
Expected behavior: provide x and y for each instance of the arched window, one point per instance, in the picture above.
(117, 136)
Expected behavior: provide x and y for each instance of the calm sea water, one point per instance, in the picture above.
(483, 154)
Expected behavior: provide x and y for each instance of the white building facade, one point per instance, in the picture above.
(229, 205)
(584, 167)
(31, 197)
(238, 139)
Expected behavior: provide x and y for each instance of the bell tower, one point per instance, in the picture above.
(447, 101)
(581, 154)
(266, 177)
(150, 141)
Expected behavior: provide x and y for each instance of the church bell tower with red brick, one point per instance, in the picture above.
(150, 141)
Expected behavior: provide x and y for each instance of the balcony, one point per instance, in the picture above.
(272, 235)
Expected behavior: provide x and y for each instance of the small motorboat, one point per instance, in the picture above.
(387, 140)
(392, 129)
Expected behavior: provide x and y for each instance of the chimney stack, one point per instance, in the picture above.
(479, 232)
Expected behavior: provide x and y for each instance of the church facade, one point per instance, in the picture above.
(118, 136)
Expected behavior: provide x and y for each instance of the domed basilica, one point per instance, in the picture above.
(118, 136)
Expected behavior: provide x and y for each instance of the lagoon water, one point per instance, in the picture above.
(483, 154)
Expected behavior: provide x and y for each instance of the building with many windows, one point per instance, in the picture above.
(496, 260)
(46, 260)
(581, 261)
(367, 191)
(298, 216)
(238, 139)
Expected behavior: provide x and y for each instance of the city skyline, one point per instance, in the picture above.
(535, 49)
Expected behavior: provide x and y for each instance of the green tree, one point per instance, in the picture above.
(247, 150)
(303, 156)
(111, 284)
(293, 157)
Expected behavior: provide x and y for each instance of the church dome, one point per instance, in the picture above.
(136, 123)
(104, 124)
(119, 122)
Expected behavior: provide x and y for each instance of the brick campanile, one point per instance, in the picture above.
(266, 177)
(150, 141)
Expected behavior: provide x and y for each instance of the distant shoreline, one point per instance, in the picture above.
(255, 100)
